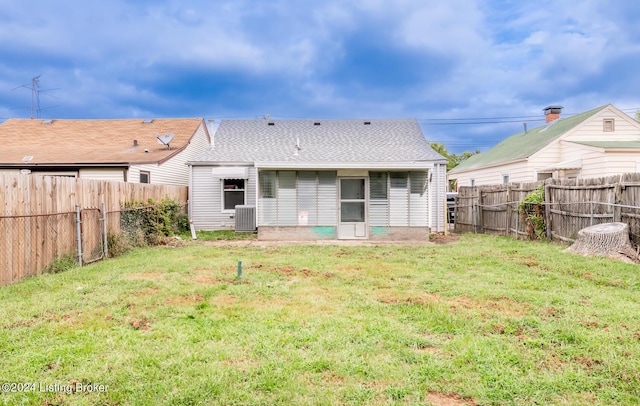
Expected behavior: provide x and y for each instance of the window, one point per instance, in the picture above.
(472, 182)
(145, 177)
(608, 125)
(545, 175)
(232, 193)
(505, 178)
(268, 184)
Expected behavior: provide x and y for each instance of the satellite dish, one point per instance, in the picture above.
(165, 139)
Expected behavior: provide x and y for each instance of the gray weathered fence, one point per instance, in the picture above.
(570, 205)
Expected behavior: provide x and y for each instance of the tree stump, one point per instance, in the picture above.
(608, 240)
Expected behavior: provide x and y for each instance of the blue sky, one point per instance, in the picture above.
(470, 71)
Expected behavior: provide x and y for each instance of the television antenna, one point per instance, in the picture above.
(165, 139)
(35, 95)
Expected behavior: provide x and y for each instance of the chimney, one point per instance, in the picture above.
(552, 113)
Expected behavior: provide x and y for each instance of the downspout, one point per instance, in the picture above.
(190, 193)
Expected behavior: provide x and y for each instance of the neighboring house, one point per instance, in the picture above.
(600, 142)
(118, 150)
(323, 179)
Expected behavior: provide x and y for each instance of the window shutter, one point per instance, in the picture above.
(287, 202)
(378, 199)
(327, 198)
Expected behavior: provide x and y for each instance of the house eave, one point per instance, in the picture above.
(454, 172)
(346, 165)
(78, 165)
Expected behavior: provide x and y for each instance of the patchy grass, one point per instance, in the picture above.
(483, 320)
(220, 235)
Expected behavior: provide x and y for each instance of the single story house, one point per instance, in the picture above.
(320, 179)
(600, 142)
(129, 150)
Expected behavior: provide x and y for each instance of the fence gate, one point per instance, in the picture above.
(91, 231)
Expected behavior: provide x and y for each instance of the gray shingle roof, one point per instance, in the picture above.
(330, 141)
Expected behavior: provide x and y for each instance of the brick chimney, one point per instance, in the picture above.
(552, 113)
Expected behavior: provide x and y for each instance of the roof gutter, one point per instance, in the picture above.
(46, 164)
(345, 165)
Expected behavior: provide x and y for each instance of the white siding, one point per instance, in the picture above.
(116, 174)
(620, 162)
(518, 172)
(626, 128)
(206, 199)
(398, 199)
(437, 198)
(174, 171)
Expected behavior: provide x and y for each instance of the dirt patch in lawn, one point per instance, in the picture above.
(391, 298)
(210, 280)
(503, 305)
(140, 324)
(185, 300)
(441, 399)
(293, 271)
(223, 300)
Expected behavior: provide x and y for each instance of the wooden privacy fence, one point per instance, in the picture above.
(570, 205)
(39, 217)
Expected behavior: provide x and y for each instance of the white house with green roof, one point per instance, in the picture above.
(600, 142)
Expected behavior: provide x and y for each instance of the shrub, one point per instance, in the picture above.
(61, 264)
(531, 210)
(150, 222)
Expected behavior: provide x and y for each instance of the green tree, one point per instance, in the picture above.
(453, 160)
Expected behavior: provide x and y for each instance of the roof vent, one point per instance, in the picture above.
(316, 123)
(47, 121)
(367, 123)
(27, 158)
(271, 123)
(147, 121)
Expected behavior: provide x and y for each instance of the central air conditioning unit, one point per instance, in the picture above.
(245, 219)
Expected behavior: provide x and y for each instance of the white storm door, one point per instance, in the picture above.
(352, 208)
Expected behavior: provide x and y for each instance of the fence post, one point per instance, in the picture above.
(105, 241)
(591, 213)
(509, 210)
(517, 224)
(79, 234)
(547, 210)
(474, 213)
(480, 214)
(617, 210)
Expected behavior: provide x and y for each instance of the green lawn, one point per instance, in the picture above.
(484, 320)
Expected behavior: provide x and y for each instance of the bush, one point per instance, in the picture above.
(61, 264)
(531, 210)
(118, 244)
(150, 222)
